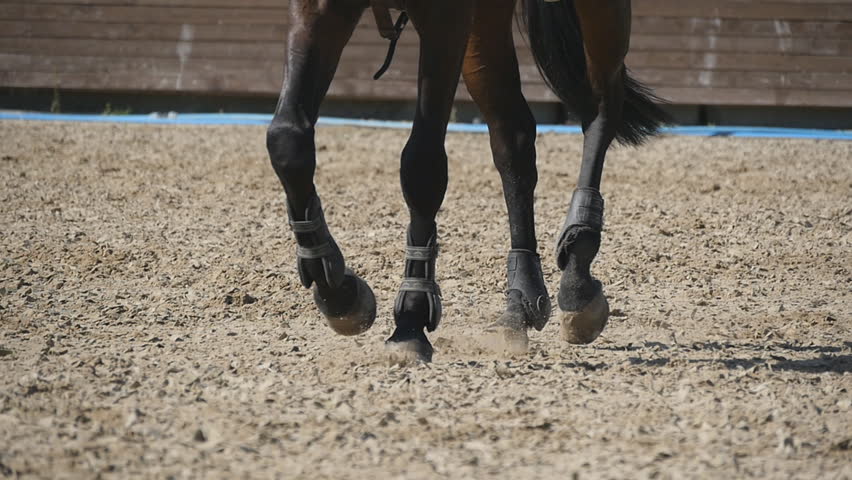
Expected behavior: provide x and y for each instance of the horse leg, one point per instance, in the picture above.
(606, 34)
(319, 31)
(492, 78)
(443, 28)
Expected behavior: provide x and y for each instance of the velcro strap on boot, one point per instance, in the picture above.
(313, 253)
(307, 226)
(410, 284)
(421, 254)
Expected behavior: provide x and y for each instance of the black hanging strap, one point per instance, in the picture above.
(397, 29)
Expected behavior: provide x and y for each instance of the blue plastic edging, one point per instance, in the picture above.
(263, 119)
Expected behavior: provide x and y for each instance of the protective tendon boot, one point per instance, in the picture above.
(528, 302)
(525, 277)
(414, 343)
(581, 298)
(346, 301)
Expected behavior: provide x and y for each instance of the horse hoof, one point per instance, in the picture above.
(408, 348)
(360, 316)
(584, 326)
(508, 336)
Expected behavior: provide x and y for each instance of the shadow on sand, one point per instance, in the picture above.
(824, 358)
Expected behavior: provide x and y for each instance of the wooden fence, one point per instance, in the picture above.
(694, 52)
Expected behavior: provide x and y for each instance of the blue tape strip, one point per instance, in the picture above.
(263, 119)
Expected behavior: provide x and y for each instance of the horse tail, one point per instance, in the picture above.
(556, 40)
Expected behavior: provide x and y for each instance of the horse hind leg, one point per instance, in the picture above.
(443, 28)
(493, 80)
(319, 31)
(606, 32)
(579, 46)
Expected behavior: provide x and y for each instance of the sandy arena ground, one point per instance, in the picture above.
(152, 324)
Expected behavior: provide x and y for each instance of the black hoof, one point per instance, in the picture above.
(509, 333)
(407, 347)
(358, 314)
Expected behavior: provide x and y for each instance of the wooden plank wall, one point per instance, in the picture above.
(723, 52)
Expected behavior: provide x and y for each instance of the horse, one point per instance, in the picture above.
(579, 47)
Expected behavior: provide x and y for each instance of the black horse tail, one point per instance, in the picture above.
(556, 40)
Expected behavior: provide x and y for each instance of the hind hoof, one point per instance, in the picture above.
(406, 348)
(361, 314)
(584, 326)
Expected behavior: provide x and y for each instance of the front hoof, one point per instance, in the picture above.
(584, 326)
(360, 315)
(507, 336)
(408, 347)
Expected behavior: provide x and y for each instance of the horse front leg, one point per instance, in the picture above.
(443, 28)
(493, 80)
(606, 36)
(319, 31)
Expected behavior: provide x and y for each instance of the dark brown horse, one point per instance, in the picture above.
(579, 46)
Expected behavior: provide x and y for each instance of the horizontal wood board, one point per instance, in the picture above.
(727, 52)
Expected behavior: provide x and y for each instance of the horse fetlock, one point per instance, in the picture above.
(581, 299)
(576, 289)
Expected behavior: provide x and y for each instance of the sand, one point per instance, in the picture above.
(152, 323)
